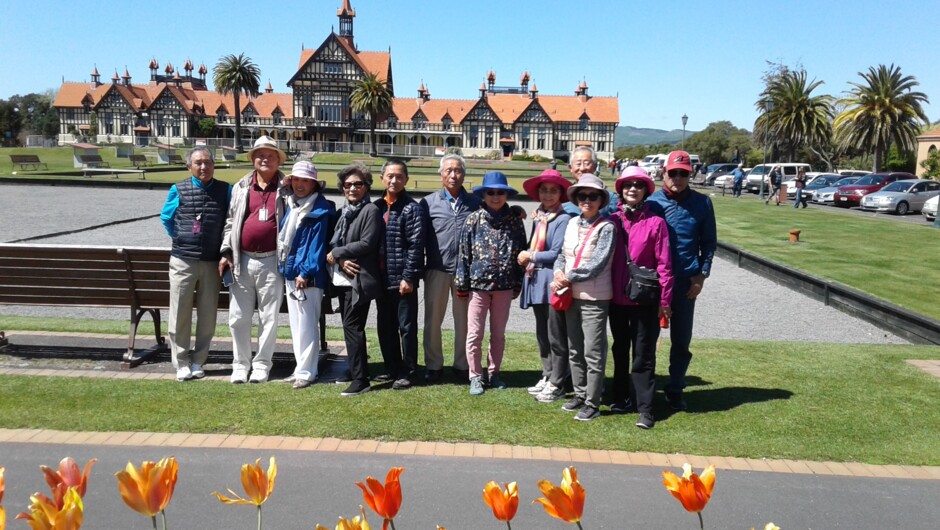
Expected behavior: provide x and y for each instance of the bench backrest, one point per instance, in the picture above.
(24, 159)
(90, 158)
(138, 158)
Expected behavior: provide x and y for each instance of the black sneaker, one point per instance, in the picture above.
(462, 376)
(401, 384)
(345, 378)
(623, 407)
(587, 413)
(356, 388)
(383, 378)
(573, 404)
(676, 402)
(433, 377)
(645, 421)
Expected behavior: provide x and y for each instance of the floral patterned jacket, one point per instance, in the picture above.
(490, 242)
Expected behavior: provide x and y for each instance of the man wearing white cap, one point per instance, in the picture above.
(249, 245)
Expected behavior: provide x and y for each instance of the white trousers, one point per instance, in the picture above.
(305, 330)
(259, 284)
(192, 283)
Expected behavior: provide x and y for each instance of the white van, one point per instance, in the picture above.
(762, 172)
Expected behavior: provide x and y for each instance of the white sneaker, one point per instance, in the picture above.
(535, 390)
(184, 374)
(198, 372)
(239, 376)
(258, 376)
(550, 394)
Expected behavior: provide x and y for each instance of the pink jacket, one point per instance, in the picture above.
(649, 247)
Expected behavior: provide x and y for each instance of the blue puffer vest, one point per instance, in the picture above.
(208, 207)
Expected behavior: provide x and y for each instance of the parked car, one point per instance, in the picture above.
(851, 195)
(901, 196)
(930, 208)
(825, 195)
(852, 172)
(762, 172)
(727, 180)
(811, 177)
(716, 170)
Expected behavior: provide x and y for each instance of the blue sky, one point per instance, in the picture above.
(662, 58)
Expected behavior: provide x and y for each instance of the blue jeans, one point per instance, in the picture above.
(799, 199)
(680, 334)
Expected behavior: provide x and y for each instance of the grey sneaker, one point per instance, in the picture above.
(538, 387)
(645, 421)
(573, 404)
(587, 413)
(550, 394)
(476, 386)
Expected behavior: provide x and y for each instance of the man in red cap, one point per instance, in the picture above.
(692, 240)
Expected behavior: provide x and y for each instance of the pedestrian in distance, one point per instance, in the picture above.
(737, 176)
(800, 182)
(776, 180)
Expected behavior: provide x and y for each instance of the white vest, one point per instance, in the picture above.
(599, 287)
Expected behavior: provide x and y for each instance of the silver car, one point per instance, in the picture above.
(930, 208)
(824, 195)
(901, 196)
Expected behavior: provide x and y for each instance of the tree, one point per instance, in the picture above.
(881, 111)
(206, 128)
(791, 117)
(931, 165)
(719, 142)
(371, 96)
(237, 76)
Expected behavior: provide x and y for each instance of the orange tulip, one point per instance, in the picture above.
(692, 490)
(3, 513)
(45, 515)
(356, 523)
(69, 474)
(148, 490)
(503, 502)
(384, 500)
(258, 484)
(565, 502)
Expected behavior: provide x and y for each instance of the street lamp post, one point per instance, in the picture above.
(685, 119)
(769, 105)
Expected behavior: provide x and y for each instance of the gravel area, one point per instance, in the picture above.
(735, 304)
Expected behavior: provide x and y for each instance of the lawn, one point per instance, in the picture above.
(859, 403)
(886, 258)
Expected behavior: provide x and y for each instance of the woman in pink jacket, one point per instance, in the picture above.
(636, 326)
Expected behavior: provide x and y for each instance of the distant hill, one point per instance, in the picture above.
(637, 136)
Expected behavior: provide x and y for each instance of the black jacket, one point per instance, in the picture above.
(363, 239)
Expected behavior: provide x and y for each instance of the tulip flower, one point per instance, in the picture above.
(692, 490)
(356, 523)
(565, 502)
(770, 526)
(148, 490)
(503, 502)
(384, 500)
(3, 513)
(258, 485)
(45, 515)
(67, 476)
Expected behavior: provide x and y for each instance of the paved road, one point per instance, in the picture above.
(735, 304)
(316, 486)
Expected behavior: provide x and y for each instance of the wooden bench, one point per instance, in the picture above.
(177, 159)
(25, 161)
(93, 161)
(139, 160)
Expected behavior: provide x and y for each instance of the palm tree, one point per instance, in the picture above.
(881, 111)
(370, 95)
(237, 75)
(791, 116)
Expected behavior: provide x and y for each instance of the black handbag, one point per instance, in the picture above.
(643, 286)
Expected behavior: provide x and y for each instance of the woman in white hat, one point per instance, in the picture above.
(584, 267)
(301, 258)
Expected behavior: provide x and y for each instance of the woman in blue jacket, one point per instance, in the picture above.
(301, 257)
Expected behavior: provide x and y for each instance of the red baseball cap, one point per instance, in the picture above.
(679, 160)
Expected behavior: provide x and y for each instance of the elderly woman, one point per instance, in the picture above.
(489, 273)
(549, 221)
(354, 258)
(301, 258)
(646, 237)
(584, 266)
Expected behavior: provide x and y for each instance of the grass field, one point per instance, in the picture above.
(859, 403)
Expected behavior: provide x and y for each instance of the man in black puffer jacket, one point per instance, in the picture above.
(402, 261)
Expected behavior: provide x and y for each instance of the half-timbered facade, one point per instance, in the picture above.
(316, 114)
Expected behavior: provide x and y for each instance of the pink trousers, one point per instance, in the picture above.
(497, 304)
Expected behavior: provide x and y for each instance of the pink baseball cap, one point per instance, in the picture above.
(679, 160)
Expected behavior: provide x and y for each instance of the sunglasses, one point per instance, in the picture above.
(680, 173)
(495, 192)
(634, 184)
(299, 295)
(354, 184)
(589, 197)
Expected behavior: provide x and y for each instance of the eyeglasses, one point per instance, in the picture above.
(588, 197)
(354, 184)
(678, 173)
(495, 192)
(634, 184)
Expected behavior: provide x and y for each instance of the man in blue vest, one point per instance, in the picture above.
(194, 217)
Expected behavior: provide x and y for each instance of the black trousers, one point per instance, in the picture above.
(636, 328)
(398, 332)
(354, 333)
(551, 332)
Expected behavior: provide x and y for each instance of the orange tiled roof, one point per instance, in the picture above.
(930, 134)
(509, 107)
(434, 109)
(375, 62)
(570, 108)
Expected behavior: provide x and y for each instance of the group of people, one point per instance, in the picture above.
(578, 270)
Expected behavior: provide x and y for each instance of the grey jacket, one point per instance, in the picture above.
(445, 223)
(237, 212)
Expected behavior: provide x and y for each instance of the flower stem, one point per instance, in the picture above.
(163, 514)
(259, 517)
(392, 522)
(508, 526)
(579, 525)
(153, 519)
(701, 523)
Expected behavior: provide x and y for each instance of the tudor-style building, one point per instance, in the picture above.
(316, 115)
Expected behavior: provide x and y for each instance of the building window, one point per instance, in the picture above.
(330, 108)
(474, 136)
(565, 128)
(420, 123)
(221, 117)
(278, 117)
(601, 146)
(70, 114)
(392, 122)
(446, 123)
(488, 137)
(108, 123)
(525, 137)
(333, 68)
(540, 141)
(583, 125)
(307, 105)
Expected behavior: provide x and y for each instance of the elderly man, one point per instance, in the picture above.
(690, 218)
(583, 161)
(194, 218)
(447, 212)
(249, 246)
(401, 258)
